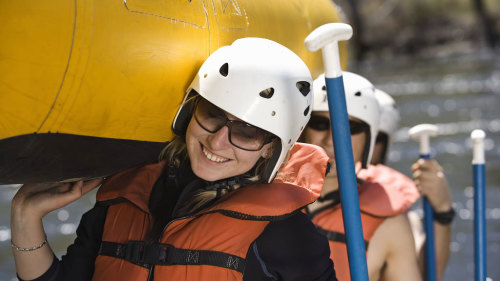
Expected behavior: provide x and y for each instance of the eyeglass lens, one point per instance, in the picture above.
(321, 123)
(241, 134)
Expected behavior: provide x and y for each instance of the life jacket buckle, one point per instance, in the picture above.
(145, 253)
(134, 251)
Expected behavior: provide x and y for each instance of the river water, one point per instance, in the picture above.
(458, 94)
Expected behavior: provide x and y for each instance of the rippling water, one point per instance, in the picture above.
(458, 94)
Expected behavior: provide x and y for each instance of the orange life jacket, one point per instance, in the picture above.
(213, 243)
(383, 193)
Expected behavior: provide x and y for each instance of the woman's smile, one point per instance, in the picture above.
(212, 156)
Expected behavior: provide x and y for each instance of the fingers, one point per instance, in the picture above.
(431, 182)
(37, 200)
(91, 184)
(50, 196)
(63, 194)
(427, 168)
(74, 191)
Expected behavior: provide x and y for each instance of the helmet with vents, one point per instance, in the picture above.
(260, 82)
(389, 114)
(361, 104)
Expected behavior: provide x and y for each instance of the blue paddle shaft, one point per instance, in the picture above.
(479, 222)
(347, 179)
(430, 252)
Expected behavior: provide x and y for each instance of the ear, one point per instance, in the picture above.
(268, 150)
(266, 154)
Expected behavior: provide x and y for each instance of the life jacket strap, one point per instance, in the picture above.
(335, 236)
(147, 254)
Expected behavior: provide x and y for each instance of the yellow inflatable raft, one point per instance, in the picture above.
(88, 88)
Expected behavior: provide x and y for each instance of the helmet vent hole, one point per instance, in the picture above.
(205, 75)
(323, 88)
(289, 141)
(358, 94)
(304, 87)
(267, 93)
(306, 111)
(273, 113)
(224, 69)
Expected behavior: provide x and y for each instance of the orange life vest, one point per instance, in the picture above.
(383, 193)
(213, 243)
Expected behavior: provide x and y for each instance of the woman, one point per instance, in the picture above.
(210, 209)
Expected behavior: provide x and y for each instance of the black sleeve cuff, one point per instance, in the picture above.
(50, 274)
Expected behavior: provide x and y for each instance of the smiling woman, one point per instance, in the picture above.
(223, 152)
(219, 205)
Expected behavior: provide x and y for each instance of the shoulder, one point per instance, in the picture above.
(383, 239)
(397, 225)
(134, 185)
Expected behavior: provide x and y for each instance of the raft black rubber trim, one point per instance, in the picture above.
(146, 254)
(335, 236)
(52, 157)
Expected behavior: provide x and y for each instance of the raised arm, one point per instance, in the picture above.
(32, 253)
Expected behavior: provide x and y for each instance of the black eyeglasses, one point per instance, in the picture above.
(322, 123)
(241, 134)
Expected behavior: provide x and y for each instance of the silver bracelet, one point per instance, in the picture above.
(28, 249)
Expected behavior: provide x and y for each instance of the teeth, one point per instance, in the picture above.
(214, 157)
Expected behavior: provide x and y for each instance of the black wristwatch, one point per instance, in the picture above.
(444, 218)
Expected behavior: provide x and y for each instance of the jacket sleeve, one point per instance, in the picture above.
(78, 263)
(290, 249)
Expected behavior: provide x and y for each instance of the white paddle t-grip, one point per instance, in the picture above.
(422, 133)
(477, 137)
(326, 38)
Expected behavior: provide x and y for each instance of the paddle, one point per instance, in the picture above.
(478, 163)
(326, 38)
(422, 133)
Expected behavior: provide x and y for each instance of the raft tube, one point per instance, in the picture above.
(89, 88)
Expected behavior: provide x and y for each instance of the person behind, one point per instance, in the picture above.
(390, 248)
(213, 207)
(429, 179)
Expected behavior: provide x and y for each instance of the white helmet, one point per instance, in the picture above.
(260, 82)
(389, 114)
(389, 119)
(361, 104)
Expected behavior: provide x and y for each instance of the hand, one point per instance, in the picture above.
(431, 182)
(33, 201)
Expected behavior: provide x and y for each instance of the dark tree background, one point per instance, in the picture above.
(388, 28)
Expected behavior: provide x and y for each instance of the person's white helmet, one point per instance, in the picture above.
(260, 82)
(361, 104)
(389, 120)
(389, 114)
